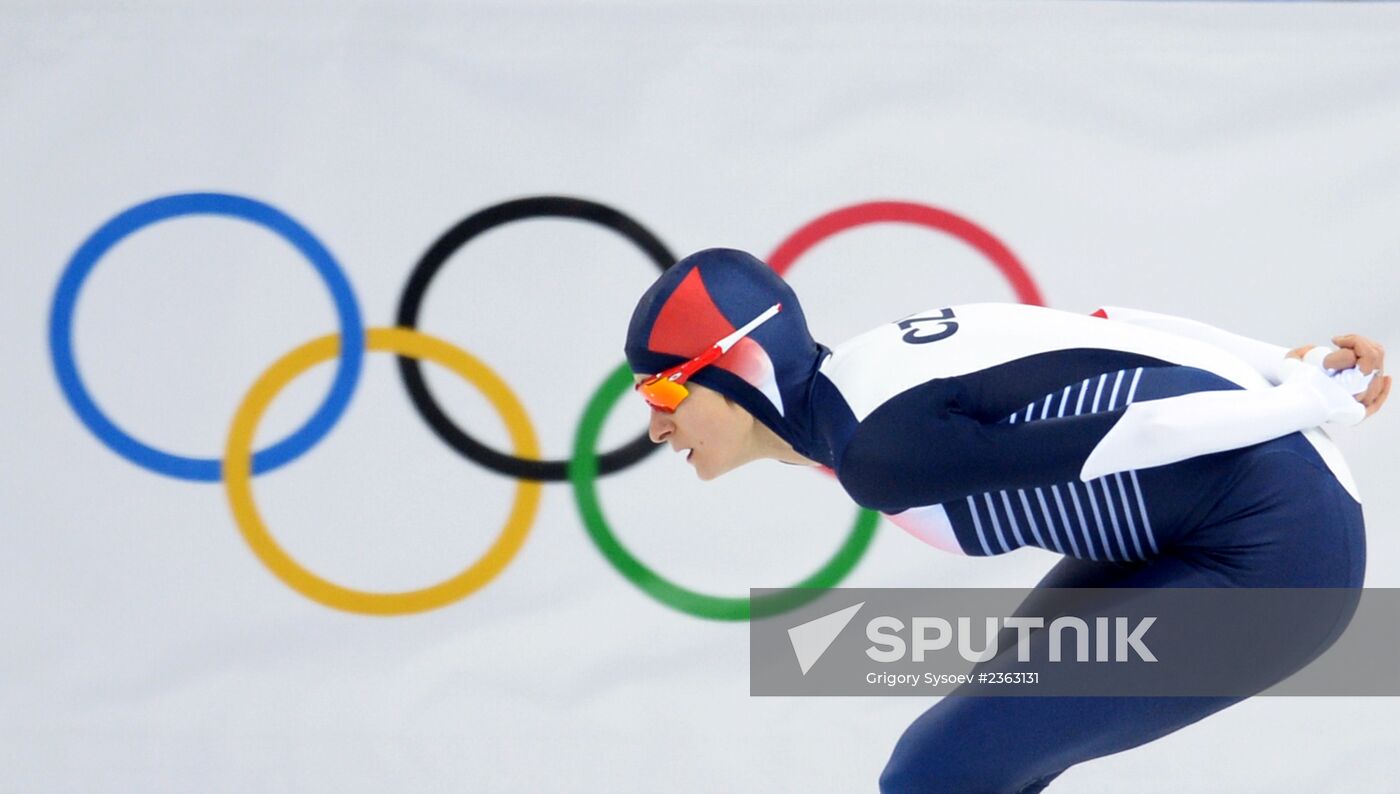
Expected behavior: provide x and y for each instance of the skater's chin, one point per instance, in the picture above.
(710, 472)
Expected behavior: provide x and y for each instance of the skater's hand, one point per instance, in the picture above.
(1370, 357)
(1367, 355)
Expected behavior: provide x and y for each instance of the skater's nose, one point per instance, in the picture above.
(662, 425)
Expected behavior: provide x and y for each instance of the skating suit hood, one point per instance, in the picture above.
(770, 373)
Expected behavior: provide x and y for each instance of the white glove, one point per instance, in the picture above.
(1336, 389)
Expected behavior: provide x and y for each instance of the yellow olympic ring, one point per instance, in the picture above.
(237, 474)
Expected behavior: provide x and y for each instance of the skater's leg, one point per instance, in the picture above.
(1291, 525)
(1019, 744)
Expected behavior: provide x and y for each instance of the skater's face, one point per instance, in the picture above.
(718, 432)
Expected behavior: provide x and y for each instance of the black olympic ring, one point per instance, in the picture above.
(412, 299)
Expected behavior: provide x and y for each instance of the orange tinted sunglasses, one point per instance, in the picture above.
(665, 390)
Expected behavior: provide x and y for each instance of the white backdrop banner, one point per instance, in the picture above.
(349, 572)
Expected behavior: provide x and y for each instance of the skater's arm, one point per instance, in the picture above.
(1266, 359)
(1157, 432)
(920, 449)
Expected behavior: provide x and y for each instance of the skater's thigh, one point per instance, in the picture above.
(1070, 572)
(1006, 744)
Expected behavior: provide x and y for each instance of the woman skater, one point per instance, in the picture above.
(1150, 450)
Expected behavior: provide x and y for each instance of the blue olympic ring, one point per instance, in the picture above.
(352, 331)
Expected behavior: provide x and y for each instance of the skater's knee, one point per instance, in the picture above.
(957, 774)
(902, 777)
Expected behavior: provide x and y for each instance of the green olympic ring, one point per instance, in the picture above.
(583, 472)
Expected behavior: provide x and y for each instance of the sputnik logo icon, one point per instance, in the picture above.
(811, 639)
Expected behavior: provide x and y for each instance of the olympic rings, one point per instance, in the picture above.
(583, 471)
(239, 464)
(165, 208)
(238, 477)
(412, 299)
